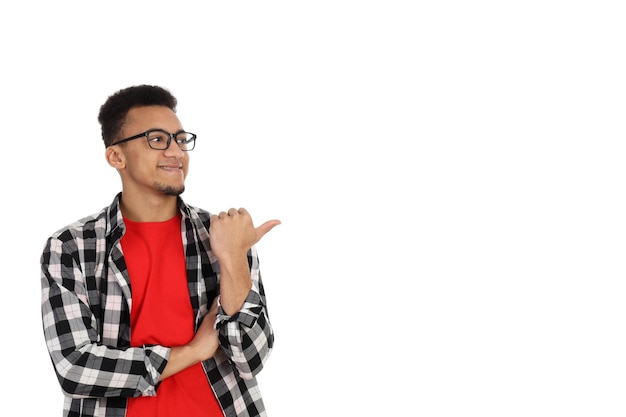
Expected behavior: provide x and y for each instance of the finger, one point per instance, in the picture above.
(232, 212)
(265, 227)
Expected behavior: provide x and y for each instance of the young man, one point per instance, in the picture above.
(152, 307)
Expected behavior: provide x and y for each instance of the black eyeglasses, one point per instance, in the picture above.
(160, 140)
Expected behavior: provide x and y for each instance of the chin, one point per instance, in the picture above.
(170, 190)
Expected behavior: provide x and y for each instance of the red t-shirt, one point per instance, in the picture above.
(161, 313)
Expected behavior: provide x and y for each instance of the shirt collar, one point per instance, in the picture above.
(115, 224)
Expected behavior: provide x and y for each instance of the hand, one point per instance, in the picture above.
(206, 341)
(232, 233)
(202, 347)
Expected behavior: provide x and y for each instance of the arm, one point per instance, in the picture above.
(85, 366)
(203, 346)
(246, 335)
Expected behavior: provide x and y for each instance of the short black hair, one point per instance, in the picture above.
(114, 110)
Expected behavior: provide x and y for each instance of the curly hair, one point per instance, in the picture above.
(114, 110)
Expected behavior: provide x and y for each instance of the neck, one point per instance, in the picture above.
(148, 209)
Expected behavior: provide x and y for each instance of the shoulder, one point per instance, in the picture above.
(89, 226)
(97, 225)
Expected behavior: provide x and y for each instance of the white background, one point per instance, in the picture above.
(450, 176)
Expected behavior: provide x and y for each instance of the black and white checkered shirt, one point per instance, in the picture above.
(86, 299)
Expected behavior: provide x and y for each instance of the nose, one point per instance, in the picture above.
(173, 150)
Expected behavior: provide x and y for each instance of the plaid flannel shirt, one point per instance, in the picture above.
(86, 301)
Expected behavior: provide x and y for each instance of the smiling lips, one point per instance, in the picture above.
(171, 167)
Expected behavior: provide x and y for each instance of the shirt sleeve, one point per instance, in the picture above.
(247, 337)
(83, 365)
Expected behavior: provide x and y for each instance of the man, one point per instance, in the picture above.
(152, 307)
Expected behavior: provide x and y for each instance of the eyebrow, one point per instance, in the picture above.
(164, 130)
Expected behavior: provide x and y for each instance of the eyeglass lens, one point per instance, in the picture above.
(159, 140)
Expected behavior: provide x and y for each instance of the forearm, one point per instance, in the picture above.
(203, 346)
(181, 357)
(235, 283)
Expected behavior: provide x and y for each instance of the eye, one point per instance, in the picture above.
(157, 137)
(183, 138)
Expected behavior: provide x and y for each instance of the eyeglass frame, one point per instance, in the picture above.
(170, 136)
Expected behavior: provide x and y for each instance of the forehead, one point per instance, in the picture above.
(140, 119)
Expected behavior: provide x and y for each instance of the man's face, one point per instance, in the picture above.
(147, 170)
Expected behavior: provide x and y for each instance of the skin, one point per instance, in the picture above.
(151, 181)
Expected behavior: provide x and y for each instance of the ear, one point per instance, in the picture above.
(114, 157)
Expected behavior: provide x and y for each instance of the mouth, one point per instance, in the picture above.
(171, 168)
